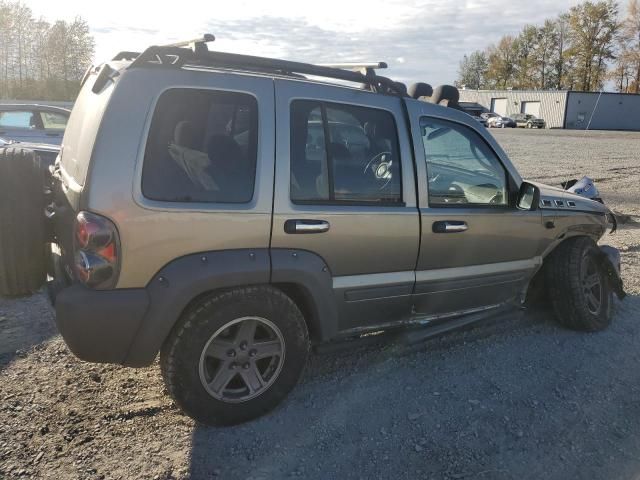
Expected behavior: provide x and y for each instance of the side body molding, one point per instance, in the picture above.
(309, 273)
(182, 280)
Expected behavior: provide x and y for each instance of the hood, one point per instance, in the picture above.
(555, 198)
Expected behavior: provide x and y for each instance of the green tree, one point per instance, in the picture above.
(473, 70)
(592, 33)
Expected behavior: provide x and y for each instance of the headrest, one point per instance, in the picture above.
(420, 89)
(184, 135)
(446, 92)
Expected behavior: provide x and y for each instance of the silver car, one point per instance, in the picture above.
(33, 123)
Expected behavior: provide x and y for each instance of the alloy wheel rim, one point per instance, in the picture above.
(591, 284)
(242, 359)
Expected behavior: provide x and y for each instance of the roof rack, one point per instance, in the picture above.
(195, 53)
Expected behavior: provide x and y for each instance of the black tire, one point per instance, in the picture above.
(567, 271)
(22, 222)
(182, 353)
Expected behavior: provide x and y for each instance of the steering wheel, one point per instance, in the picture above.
(380, 166)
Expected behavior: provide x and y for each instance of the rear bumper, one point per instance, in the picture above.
(99, 326)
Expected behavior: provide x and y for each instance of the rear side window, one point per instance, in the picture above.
(343, 154)
(17, 119)
(202, 147)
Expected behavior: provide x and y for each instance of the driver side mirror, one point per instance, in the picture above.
(528, 197)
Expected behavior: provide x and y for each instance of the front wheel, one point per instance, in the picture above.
(235, 355)
(578, 286)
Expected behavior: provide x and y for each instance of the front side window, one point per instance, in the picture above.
(461, 167)
(17, 119)
(202, 147)
(343, 154)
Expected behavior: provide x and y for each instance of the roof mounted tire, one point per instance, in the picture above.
(578, 286)
(22, 222)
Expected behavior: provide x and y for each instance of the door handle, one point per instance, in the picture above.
(449, 226)
(306, 226)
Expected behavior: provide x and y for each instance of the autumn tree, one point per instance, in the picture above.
(501, 59)
(573, 51)
(629, 54)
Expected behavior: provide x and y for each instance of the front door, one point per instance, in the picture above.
(345, 192)
(478, 249)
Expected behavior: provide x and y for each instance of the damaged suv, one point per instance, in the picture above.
(229, 212)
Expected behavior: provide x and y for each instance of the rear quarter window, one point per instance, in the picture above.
(202, 147)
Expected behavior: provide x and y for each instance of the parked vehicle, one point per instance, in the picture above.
(488, 115)
(528, 121)
(229, 213)
(481, 121)
(498, 121)
(33, 123)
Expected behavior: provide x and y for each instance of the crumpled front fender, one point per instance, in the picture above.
(610, 260)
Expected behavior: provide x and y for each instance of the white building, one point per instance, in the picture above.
(563, 109)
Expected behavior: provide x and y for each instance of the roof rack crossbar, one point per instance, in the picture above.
(355, 66)
(207, 37)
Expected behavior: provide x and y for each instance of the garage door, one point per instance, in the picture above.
(499, 106)
(532, 108)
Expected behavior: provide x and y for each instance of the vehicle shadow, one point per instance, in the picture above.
(24, 322)
(520, 398)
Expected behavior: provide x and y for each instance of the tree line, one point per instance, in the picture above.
(579, 50)
(41, 60)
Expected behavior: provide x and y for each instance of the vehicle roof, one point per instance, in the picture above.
(33, 106)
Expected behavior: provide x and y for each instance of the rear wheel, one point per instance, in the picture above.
(578, 287)
(22, 222)
(235, 355)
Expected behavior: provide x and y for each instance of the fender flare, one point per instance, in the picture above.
(181, 281)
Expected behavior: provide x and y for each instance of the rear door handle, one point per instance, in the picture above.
(449, 226)
(306, 226)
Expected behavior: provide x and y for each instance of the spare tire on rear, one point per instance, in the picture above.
(22, 222)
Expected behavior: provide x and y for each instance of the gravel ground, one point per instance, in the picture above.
(516, 399)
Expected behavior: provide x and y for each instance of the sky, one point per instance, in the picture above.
(421, 41)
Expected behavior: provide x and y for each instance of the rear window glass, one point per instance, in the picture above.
(202, 147)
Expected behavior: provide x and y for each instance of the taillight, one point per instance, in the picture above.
(97, 251)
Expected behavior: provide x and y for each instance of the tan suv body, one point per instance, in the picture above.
(367, 210)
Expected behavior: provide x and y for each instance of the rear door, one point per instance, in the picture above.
(478, 249)
(345, 192)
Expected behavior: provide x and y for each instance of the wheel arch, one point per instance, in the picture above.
(301, 275)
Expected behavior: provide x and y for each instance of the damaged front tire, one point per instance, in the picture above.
(578, 285)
